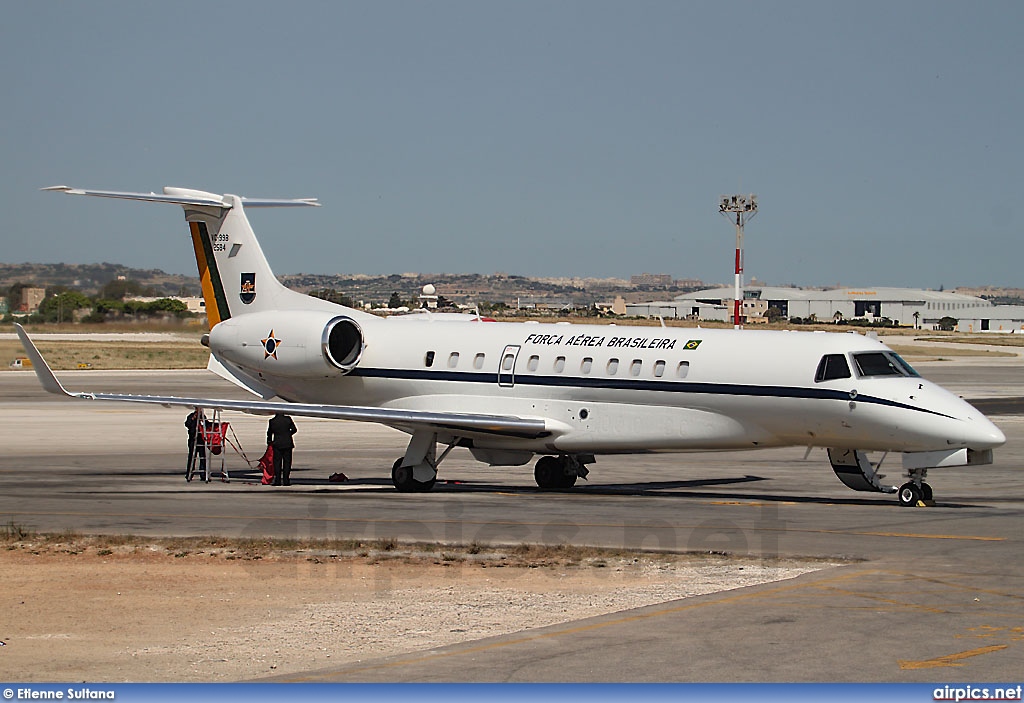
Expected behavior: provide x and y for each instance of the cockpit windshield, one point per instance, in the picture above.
(882, 364)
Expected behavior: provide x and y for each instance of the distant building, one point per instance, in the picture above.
(31, 298)
(533, 302)
(991, 318)
(651, 279)
(906, 306)
(428, 297)
(688, 283)
(616, 307)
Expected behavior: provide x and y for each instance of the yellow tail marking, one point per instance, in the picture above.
(205, 276)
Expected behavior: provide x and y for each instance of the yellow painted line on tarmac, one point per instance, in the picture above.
(752, 503)
(950, 659)
(914, 535)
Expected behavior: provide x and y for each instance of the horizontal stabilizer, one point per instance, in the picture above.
(184, 196)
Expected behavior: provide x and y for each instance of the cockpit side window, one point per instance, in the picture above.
(882, 364)
(903, 363)
(831, 367)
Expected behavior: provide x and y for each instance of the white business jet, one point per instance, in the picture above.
(566, 392)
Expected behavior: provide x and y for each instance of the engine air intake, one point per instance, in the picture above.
(343, 343)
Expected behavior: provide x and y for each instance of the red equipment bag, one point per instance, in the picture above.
(212, 435)
(267, 465)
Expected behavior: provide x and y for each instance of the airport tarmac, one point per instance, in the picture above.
(929, 594)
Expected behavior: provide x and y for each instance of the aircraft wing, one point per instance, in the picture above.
(510, 426)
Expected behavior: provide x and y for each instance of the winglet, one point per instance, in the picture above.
(42, 369)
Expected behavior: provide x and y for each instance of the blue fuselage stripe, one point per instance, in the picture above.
(668, 386)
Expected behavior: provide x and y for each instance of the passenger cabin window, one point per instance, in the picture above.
(613, 367)
(586, 365)
(882, 364)
(634, 368)
(559, 364)
(478, 361)
(683, 370)
(659, 368)
(533, 363)
(831, 367)
(453, 360)
(428, 360)
(506, 363)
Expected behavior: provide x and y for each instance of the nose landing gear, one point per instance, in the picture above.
(915, 491)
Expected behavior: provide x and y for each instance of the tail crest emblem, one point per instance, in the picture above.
(247, 290)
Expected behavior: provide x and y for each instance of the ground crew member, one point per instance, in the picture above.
(279, 436)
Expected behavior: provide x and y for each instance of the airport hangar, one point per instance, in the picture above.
(973, 314)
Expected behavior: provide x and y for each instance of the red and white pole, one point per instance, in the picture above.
(738, 302)
(743, 207)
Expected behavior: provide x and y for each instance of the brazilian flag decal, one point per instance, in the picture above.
(692, 344)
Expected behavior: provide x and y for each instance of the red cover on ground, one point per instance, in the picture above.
(267, 465)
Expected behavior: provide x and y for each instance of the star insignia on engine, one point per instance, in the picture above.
(270, 345)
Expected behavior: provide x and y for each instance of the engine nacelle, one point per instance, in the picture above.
(296, 344)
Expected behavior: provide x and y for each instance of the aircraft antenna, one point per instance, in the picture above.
(744, 207)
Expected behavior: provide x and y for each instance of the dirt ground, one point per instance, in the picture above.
(80, 611)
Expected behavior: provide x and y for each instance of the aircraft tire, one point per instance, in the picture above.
(405, 483)
(547, 472)
(926, 492)
(566, 480)
(909, 494)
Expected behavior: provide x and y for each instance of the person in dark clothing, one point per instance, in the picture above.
(193, 422)
(279, 436)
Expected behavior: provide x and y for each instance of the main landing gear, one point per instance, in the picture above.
(404, 478)
(416, 472)
(915, 490)
(560, 472)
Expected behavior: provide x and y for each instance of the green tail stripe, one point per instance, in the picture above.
(211, 263)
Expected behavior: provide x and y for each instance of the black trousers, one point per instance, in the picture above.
(282, 466)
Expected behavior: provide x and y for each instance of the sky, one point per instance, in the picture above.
(583, 138)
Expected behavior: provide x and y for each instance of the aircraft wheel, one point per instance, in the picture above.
(566, 480)
(909, 494)
(926, 491)
(547, 472)
(402, 477)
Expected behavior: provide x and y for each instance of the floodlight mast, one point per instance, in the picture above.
(744, 207)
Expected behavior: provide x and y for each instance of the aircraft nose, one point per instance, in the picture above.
(975, 430)
(982, 434)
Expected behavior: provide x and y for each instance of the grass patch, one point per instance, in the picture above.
(64, 355)
(995, 340)
(14, 532)
(17, 538)
(919, 353)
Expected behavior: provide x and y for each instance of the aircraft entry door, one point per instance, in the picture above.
(507, 366)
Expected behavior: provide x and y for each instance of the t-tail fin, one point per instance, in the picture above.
(233, 270)
(234, 273)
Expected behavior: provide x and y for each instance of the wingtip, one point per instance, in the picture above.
(43, 371)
